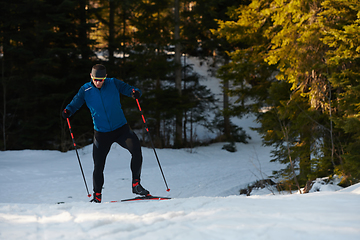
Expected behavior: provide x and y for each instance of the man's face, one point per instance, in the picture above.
(98, 82)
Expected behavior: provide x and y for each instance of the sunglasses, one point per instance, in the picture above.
(98, 79)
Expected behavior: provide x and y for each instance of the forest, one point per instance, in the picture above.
(294, 64)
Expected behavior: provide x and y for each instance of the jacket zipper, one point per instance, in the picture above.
(107, 117)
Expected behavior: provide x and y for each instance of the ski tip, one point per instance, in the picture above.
(168, 190)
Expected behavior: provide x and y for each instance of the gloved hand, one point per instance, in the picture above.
(135, 94)
(66, 113)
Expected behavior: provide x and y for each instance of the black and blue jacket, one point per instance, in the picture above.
(104, 103)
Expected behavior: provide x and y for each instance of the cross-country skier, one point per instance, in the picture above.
(102, 97)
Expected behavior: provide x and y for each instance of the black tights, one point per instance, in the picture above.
(101, 147)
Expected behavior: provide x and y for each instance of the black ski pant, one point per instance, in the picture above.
(127, 139)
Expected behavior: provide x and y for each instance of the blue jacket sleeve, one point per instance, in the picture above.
(125, 88)
(77, 101)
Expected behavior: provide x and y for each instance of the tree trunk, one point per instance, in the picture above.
(179, 115)
(111, 47)
(4, 101)
(227, 128)
(305, 156)
(84, 48)
(226, 110)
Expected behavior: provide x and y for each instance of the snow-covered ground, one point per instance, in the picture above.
(204, 185)
(205, 204)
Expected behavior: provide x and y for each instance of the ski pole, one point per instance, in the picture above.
(152, 144)
(77, 154)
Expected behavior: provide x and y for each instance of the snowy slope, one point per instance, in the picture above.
(206, 171)
(204, 185)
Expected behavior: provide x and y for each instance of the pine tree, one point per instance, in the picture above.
(341, 23)
(249, 75)
(150, 68)
(290, 37)
(200, 19)
(45, 55)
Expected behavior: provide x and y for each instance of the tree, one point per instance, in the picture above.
(199, 20)
(149, 67)
(291, 38)
(340, 21)
(45, 53)
(177, 60)
(250, 76)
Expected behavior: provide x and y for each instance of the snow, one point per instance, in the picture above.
(205, 204)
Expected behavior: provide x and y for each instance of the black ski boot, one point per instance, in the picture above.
(138, 189)
(97, 198)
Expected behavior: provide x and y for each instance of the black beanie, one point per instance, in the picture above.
(98, 71)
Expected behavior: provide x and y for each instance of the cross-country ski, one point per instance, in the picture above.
(146, 198)
(135, 199)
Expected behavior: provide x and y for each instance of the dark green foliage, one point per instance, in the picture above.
(47, 53)
(42, 47)
(312, 115)
(237, 134)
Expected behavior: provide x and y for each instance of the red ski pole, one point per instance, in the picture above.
(152, 144)
(77, 154)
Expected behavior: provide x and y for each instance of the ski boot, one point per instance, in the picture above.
(138, 189)
(97, 198)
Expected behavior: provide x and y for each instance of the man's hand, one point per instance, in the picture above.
(66, 114)
(135, 94)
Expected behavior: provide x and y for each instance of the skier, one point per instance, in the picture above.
(102, 97)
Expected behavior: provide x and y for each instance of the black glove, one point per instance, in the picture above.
(66, 113)
(135, 94)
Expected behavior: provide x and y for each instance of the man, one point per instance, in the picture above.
(102, 97)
